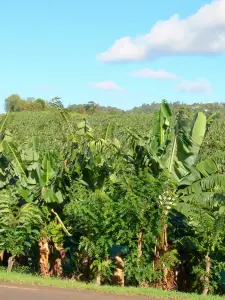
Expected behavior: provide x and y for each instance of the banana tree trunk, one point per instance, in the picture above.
(56, 264)
(165, 240)
(161, 247)
(140, 242)
(168, 280)
(2, 255)
(86, 262)
(208, 263)
(118, 276)
(11, 262)
(98, 278)
(44, 257)
(57, 267)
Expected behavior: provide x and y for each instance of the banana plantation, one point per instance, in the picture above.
(144, 208)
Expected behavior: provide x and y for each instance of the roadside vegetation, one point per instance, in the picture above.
(105, 199)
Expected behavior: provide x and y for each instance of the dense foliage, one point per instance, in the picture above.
(99, 196)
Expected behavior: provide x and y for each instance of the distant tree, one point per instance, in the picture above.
(56, 102)
(91, 107)
(23, 105)
(11, 103)
(81, 109)
(40, 102)
(30, 99)
(77, 108)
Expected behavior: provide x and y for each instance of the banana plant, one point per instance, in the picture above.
(37, 179)
(170, 148)
(19, 225)
(173, 144)
(202, 203)
(37, 176)
(91, 160)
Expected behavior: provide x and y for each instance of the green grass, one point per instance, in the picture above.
(21, 278)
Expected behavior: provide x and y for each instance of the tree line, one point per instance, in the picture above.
(14, 103)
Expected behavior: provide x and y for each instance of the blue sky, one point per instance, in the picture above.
(119, 53)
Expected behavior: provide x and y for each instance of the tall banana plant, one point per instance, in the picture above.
(38, 178)
(202, 202)
(88, 159)
(184, 144)
(181, 154)
(172, 145)
(161, 127)
(172, 148)
(146, 149)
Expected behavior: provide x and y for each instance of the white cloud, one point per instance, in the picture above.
(201, 33)
(197, 86)
(106, 85)
(156, 74)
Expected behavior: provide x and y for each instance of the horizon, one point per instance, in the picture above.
(117, 108)
(117, 55)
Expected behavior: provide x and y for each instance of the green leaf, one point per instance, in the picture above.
(10, 149)
(47, 171)
(197, 135)
(222, 210)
